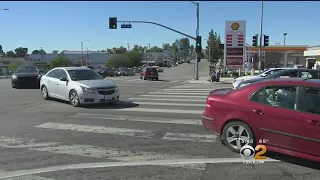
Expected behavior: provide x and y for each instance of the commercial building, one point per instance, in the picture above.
(313, 57)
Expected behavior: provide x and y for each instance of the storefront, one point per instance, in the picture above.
(313, 57)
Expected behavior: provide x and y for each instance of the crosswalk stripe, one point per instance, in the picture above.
(170, 104)
(190, 137)
(176, 89)
(175, 111)
(26, 177)
(164, 99)
(179, 93)
(174, 96)
(98, 129)
(88, 150)
(136, 118)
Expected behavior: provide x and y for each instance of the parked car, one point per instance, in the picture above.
(287, 73)
(79, 86)
(104, 72)
(283, 112)
(130, 72)
(256, 76)
(149, 73)
(25, 76)
(160, 70)
(117, 72)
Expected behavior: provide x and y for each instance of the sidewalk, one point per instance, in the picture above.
(204, 80)
(4, 77)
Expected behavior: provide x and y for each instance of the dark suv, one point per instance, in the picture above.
(149, 73)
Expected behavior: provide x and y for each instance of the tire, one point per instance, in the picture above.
(44, 93)
(157, 79)
(74, 98)
(247, 132)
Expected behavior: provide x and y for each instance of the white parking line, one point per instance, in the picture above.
(173, 96)
(26, 177)
(181, 93)
(170, 104)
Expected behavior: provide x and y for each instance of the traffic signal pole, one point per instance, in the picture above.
(196, 74)
(260, 45)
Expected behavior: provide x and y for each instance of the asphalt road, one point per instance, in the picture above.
(153, 133)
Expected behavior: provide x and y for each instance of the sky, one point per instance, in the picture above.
(62, 25)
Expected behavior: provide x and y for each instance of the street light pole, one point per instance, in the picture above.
(82, 51)
(285, 52)
(196, 64)
(261, 26)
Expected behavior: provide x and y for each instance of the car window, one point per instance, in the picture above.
(312, 100)
(277, 96)
(272, 71)
(290, 74)
(26, 70)
(53, 73)
(62, 73)
(83, 74)
(306, 74)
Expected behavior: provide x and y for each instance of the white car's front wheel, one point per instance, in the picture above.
(74, 99)
(44, 93)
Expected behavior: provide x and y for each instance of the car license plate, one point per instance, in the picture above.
(107, 98)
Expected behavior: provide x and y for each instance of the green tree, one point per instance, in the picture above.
(185, 45)
(12, 67)
(21, 51)
(154, 49)
(135, 58)
(214, 47)
(35, 52)
(166, 47)
(55, 52)
(10, 54)
(1, 50)
(61, 61)
(117, 60)
(175, 49)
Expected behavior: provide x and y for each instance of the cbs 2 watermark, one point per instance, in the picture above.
(253, 155)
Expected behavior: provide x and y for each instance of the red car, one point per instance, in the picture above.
(284, 113)
(149, 73)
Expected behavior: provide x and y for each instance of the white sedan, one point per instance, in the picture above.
(78, 85)
(261, 75)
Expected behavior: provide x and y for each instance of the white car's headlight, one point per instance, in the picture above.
(88, 90)
(14, 77)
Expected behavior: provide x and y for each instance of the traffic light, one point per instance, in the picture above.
(198, 59)
(112, 23)
(198, 44)
(266, 40)
(255, 41)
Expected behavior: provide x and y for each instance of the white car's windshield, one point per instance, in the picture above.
(83, 74)
(26, 70)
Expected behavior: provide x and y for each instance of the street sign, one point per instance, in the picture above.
(234, 47)
(126, 26)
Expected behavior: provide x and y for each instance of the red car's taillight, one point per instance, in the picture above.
(209, 101)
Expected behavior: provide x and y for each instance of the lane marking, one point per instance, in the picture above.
(175, 111)
(98, 129)
(174, 100)
(140, 119)
(173, 96)
(171, 104)
(190, 137)
(124, 164)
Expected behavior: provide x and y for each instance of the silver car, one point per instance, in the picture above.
(78, 85)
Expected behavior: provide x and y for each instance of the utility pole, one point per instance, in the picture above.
(260, 46)
(41, 54)
(128, 46)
